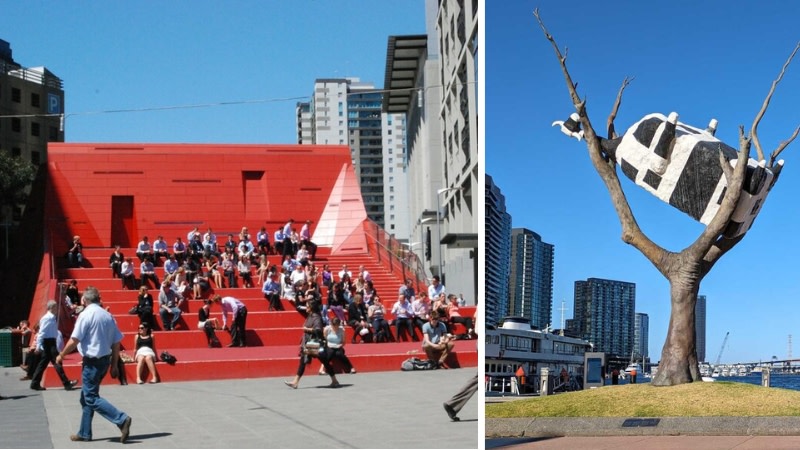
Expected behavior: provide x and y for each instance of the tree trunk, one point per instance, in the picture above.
(678, 363)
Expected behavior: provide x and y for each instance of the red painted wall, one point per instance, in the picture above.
(175, 187)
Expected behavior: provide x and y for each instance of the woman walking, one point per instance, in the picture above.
(312, 329)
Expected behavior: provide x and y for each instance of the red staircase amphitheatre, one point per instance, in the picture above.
(273, 337)
(113, 194)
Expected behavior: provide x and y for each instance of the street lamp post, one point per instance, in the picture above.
(439, 227)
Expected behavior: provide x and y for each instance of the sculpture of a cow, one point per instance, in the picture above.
(680, 165)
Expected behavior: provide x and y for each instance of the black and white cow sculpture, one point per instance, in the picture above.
(680, 165)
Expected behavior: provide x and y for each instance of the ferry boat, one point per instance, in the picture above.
(516, 344)
(634, 367)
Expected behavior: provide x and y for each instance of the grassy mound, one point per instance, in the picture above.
(644, 400)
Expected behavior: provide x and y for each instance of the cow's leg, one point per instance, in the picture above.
(661, 145)
(571, 127)
(712, 127)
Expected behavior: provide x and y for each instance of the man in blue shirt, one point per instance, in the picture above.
(272, 292)
(46, 346)
(97, 338)
(435, 340)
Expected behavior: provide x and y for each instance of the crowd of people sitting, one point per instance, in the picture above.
(194, 268)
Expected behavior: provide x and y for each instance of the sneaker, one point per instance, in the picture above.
(70, 385)
(76, 438)
(125, 429)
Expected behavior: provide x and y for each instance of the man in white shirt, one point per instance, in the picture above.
(47, 348)
(403, 318)
(288, 248)
(363, 272)
(305, 239)
(97, 338)
(144, 249)
(436, 288)
(127, 275)
(160, 249)
(345, 271)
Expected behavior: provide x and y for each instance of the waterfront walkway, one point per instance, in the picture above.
(370, 410)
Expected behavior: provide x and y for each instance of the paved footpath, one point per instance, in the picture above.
(649, 443)
(370, 410)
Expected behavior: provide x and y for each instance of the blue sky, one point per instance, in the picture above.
(711, 61)
(151, 54)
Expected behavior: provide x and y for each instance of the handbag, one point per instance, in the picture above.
(134, 310)
(312, 347)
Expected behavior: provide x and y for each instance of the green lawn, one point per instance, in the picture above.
(644, 400)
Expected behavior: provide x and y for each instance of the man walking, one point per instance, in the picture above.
(97, 338)
(454, 405)
(46, 344)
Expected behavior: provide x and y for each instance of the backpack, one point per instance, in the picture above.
(418, 364)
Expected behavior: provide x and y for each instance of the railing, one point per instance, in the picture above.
(30, 75)
(393, 255)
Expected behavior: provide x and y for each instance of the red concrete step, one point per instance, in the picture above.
(261, 319)
(255, 362)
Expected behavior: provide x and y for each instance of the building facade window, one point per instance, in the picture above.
(16, 95)
(35, 100)
(35, 129)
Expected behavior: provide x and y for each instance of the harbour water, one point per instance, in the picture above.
(777, 380)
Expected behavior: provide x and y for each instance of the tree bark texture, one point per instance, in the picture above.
(678, 363)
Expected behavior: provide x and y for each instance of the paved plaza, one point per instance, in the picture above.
(370, 410)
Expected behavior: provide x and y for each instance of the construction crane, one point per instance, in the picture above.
(724, 341)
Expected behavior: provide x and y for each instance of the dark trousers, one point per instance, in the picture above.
(403, 322)
(382, 331)
(274, 302)
(211, 335)
(311, 247)
(337, 354)
(419, 323)
(466, 321)
(288, 248)
(129, 282)
(49, 353)
(237, 331)
(305, 360)
(231, 275)
(32, 361)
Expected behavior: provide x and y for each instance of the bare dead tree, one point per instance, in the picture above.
(687, 268)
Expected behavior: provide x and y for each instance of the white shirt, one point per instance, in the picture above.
(435, 291)
(48, 329)
(95, 331)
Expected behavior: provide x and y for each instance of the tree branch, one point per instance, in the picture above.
(612, 133)
(701, 248)
(754, 129)
(631, 233)
(780, 148)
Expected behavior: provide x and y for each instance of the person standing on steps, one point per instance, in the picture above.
(97, 338)
(238, 312)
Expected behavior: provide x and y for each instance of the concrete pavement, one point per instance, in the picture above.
(370, 410)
